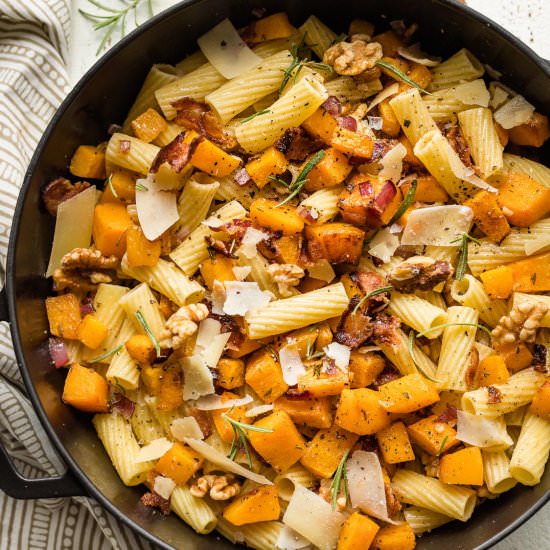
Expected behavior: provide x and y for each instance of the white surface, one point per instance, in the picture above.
(527, 19)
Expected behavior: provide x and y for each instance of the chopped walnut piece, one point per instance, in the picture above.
(154, 500)
(221, 487)
(419, 273)
(520, 325)
(325, 492)
(59, 190)
(88, 258)
(286, 276)
(71, 280)
(182, 324)
(353, 58)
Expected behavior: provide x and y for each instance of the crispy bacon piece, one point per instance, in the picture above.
(458, 143)
(448, 415)
(389, 374)
(123, 405)
(494, 395)
(354, 329)
(369, 281)
(539, 358)
(59, 190)
(223, 247)
(385, 329)
(154, 500)
(296, 144)
(236, 228)
(177, 153)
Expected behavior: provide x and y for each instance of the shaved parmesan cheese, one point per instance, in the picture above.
(312, 517)
(258, 410)
(463, 172)
(208, 329)
(157, 210)
(213, 352)
(164, 486)
(242, 272)
(227, 51)
(217, 297)
(472, 93)
(197, 377)
(339, 353)
(322, 270)
(291, 364)
(213, 223)
(226, 464)
(384, 244)
(366, 484)
(153, 450)
(392, 163)
(250, 240)
(437, 225)
(487, 433)
(242, 297)
(289, 539)
(514, 112)
(415, 53)
(186, 427)
(500, 95)
(215, 402)
(384, 94)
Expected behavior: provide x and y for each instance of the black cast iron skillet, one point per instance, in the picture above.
(102, 97)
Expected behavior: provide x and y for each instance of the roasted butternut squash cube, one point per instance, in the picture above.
(260, 504)
(427, 190)
(390, 43)
(219, 268)
(516, 356)
(394, 444)
(151, 376)
(213, 160)
(124, 184)
(88, 161)
(325, 451)
(498, 282)
(464, 467)
(523, 200)
(92, 332)
(394, 537)
(64, 315)
(314, 412)
(531, 274)
(364, 368)
(433, 436)
(268, 214)
(264, 376)
(230, 373)
(179, 463)
(140, 251)
(492, 370)
(420, 74)
(141, 349)
(337, 243)
(358, 531)
(269, 28)
(223, 427)
(408, 394)
(149, 125)
(283, 446)
(170, 392)
(359, 411)
(352, 143)
(270, 163)
(303, 339)
(488, 215)
(331, 170)
(245, 347)
(284, 250)
(111, 221)
(86, 390)
(322, 385)
(532, 133)
(390, 124)
(321, 124)
(541, 401)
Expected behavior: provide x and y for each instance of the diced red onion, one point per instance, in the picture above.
(86, 308)
(365, 189)
(306, 214)
(295, 394)
(329, 367)
(347, 122)
(242, 177)
(124, 145)
(58, 352)
(332, 105)
(123, 405)
(386, 195)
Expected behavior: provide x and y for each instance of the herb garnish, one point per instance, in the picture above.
(311, 354)
(148, 331)
(375, 292)
(463, 254)
(301, 180)
(106, 354)
(401, 75)
(109, 183)
(444, 440)
(141, 187)
(251, 117)
(339, 476)
(407, 201)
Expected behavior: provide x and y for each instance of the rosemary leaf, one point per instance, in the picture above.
(375, 292)
(419, 368)
(463, 255)
(407, 201)
(240, 438)
(106, 354)
(141, 187)
(109, 182)
(443, 441)
(401, 75)
(247, 427)
(147, 329)
(339, 476)
(251, 117)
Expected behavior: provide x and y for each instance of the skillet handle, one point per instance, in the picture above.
(17, 486)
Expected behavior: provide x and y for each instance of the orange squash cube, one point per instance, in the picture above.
(488, 216)
(219, 268)
(364, 368)
(223, 427)
(492, 370)
(264, 376)
(325, 451)
(390, 43)
(213, 160)
(270, 163)
(245, 347)
(170, 392)
(230, 373)
(88, 161)
(86, 390)
(269, 28)
(322, 385)
(149, 125)
(141, 349)
(531, 274)
(124, 184)
(394, 444)
(357, 532)
(179, 463)
(394, 537)
(464, 467)
(427, 190)
(541, 401)
(260, 504)
(532, 133)
(283, 446)
(390, 124)
(433, 436)
(359, 411)
(321, 124)
(408, 394)
(302, 339)
(91, 332)
(315, 412)
(64, 315)
(352, 143)
(335, 242)
(111, 221)
(331, 170)
(498, 282)
(266, 213)
(140, 251)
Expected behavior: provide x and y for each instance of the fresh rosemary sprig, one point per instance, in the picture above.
(301, 180)
(240, 437)
(416, 364)
(106, 354)
(339, 476)
(463, 254)
(113, 18)
(109, 183)
(443, 441)
(401, 75)
(311, 354)
(148, 331)
(278, 180)
(141, 187)
(407, 201)
(252, 117)
(375, 292)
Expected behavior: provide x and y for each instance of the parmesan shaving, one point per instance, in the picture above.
(258, 410)
(415, 53)
(514, 112)
(215, 402)
(250, 240)
(213, 352)
(463, 172)
(208, 329)
(242, 272)
(291, 364)
(472, 93)
(153, 450)
(217, 297)
(322, 270)
(197, 377)
(488, 433)
(186, 427)
(384, 94)
(384, 244)
(339, 353)
(289, 539)
(392, 163)
(227, 51)
(437, 225)
(164, 486)
(242, 298)
(500, 95)
(157, 210)
(226, 464)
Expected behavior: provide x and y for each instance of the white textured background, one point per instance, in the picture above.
(527, 19)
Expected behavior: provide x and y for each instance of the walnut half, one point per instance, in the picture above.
(221, 487)
(353, 58)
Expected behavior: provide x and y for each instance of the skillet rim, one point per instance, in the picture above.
(89, 488)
